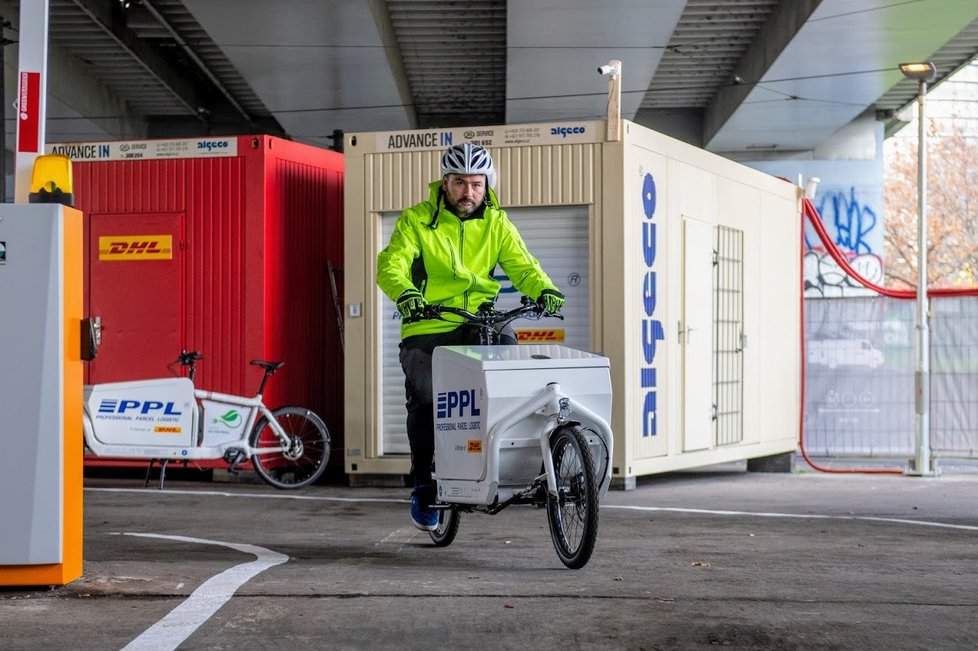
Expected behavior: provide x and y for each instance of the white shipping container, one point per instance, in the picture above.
(679, 265)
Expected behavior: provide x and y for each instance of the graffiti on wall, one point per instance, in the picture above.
(858, 233)
(824, 278)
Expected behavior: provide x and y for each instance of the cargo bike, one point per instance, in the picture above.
(524, 424)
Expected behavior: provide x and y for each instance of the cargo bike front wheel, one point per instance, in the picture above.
(573, 511)
(448, 520)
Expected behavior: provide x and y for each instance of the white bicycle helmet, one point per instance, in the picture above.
(469, 159)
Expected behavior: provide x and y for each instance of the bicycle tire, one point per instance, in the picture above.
(448, 521)
(307, 457)
(573, 512)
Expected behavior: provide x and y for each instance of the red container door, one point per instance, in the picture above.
(136, 287)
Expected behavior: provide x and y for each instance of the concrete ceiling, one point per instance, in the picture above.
(730, 75)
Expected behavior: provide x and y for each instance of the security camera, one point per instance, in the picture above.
(609, 69)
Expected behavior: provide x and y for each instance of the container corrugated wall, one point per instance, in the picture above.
(548, 175)
(528, 176)
(309, 200)
(218, 291)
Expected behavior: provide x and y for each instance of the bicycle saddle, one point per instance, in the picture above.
(271, 366)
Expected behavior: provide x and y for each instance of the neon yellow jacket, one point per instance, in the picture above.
(451, 260)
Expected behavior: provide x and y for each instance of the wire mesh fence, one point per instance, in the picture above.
(859, 378)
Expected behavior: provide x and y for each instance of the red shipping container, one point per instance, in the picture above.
(219, 245)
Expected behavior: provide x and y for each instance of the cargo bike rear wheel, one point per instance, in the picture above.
(448, 520)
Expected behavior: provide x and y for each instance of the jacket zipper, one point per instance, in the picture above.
(461, 257)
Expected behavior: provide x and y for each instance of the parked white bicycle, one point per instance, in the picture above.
(523, 424)
(165, 419)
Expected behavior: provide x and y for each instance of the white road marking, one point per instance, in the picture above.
(207, 599)
(802, 516)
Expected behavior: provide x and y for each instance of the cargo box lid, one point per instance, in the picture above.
(524, 356)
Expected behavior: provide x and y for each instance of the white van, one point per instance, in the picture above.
(841, 352)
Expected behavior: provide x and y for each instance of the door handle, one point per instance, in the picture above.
(91, 337)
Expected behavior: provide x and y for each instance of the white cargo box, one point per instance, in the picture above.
(143, 414)
(477, 386)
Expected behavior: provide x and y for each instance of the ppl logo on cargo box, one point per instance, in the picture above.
(144, 407)
(450, 401)
(211, 145)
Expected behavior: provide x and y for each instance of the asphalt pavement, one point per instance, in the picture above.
(695, 560)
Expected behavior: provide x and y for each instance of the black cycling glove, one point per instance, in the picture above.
(411, 304)
(551, 301)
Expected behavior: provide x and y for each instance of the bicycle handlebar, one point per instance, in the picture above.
(487, 314)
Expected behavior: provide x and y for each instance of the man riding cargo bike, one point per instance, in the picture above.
(443, 251)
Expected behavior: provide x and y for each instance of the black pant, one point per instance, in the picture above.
(415, 359)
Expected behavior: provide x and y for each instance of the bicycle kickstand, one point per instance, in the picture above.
(149, 469)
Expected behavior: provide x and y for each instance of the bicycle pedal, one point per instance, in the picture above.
(540, 498)
(233, 457)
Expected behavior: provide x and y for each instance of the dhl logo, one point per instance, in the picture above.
(540, 336)
(165, 429)
(475, 446)
(138, 247)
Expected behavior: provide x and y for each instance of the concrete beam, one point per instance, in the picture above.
(385, 28)
(102, 15)
(70, 83)
(684, 124)
(781, 26)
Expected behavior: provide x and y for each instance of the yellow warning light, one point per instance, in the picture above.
(51, 180)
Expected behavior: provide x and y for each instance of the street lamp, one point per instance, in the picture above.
(922, 463)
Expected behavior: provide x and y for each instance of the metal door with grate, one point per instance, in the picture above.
(728, 328)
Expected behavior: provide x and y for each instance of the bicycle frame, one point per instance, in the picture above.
(256, 407)
(557, 407)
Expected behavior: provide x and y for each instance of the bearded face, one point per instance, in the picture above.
(465, 192)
